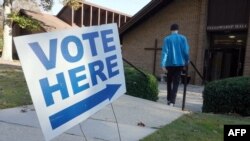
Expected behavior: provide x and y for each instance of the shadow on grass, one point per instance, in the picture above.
(13, 88)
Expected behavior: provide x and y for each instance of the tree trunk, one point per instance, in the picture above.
(7, 35)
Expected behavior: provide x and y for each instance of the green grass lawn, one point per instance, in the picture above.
(197, 127)
(13, 88)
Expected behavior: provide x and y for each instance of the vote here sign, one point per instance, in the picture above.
(71, 74)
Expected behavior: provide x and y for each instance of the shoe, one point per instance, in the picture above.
(168, 102)
(171, 105)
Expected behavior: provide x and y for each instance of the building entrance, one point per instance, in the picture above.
(225, 57)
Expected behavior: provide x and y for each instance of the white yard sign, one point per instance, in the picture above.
(71, 74)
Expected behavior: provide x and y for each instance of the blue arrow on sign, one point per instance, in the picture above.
(77, 109)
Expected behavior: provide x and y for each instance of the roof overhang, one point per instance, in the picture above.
(49, 22)
(150, 9)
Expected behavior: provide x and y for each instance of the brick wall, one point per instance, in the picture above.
(186, 14)
(202, 41)
(246, 71)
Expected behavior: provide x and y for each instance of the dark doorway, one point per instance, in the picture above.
(225, 57)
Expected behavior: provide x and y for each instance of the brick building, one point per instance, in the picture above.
(88, 14)
(217, 31)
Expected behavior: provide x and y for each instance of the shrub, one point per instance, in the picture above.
(231, 95)
(140, 86)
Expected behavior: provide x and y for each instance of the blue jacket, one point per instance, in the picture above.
(175, 51)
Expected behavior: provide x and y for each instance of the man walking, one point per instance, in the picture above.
(175, 55)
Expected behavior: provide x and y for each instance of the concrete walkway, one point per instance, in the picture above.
(132, 113)
(193, 97)
(24, 126)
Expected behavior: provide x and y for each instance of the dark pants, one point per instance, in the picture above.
(173, 80)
